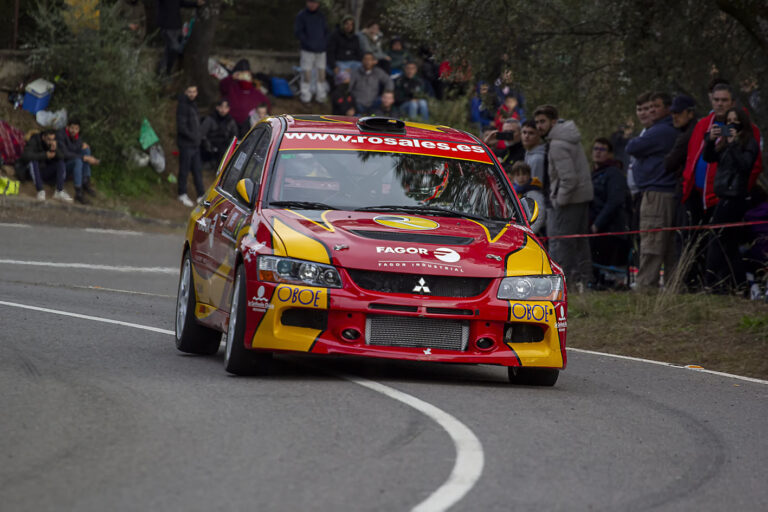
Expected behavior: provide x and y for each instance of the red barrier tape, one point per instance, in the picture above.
(657, 230)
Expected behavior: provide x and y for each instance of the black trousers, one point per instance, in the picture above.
(724, 267)
(190, 160)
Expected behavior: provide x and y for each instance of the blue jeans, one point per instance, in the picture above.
(416, 108)
(79, 169)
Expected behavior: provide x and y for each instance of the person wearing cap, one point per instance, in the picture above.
(344, 47)
(243, 96)
(683, 110)
(311, 30)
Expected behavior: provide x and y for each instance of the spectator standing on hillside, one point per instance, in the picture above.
(480, 108)
(570, 184)
(699, 175)
(312, 32)
(398, 56)
(607, 213)
(217, 131)
(169, 23)
(371, 42)
(77, 158)
(243, 97)
(367, 83)
(430, 72)
(410, 93)
(735, 151)
(134, 16)
(683, 111)
(44, 161)
(344, 47)
(188, 138)
(535, 152)
(657, 207)
(507, 110)
(342, 102)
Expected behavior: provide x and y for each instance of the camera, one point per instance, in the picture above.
(505, 136)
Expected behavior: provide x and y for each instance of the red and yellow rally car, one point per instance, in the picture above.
(370, 237)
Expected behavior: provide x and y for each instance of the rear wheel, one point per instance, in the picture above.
(192, 337)
(533, 376)
(237, 359)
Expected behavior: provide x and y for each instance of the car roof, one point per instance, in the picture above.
(348, 125)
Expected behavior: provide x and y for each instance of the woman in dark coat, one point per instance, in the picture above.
(734, 150)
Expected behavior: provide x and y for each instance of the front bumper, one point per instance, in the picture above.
(323, 321)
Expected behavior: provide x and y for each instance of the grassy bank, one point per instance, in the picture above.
(722, 333)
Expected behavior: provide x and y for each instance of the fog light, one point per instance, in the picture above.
(350, 334)
(484, 343)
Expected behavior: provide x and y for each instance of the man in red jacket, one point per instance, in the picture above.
(698, 176)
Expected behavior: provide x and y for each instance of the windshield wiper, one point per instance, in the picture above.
(435, 210)
(305, 205)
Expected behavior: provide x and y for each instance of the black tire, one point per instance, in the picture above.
(238, 360)
(532, 376)
(192, 337)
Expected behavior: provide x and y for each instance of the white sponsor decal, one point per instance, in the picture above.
(386, 141)
(402, 250)
(259, 303)
(420, 265)
(447, 255)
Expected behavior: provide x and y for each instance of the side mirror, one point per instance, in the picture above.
(531, 208)
(245, 189)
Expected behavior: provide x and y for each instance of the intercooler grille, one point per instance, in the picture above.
(405, 331)
(439, 286)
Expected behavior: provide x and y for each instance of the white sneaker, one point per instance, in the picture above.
(186, 201)
(61, 195)
(41, 195)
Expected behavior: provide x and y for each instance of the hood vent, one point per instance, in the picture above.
(396, 236)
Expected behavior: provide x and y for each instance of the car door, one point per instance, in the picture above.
(208, 284)
(232, 213)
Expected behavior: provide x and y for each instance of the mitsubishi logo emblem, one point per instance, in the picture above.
(421, 287)
(427, 351)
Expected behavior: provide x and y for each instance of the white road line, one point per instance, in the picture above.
(12, 225)
(469, 452)
(88, 266)
(113, 231)
(86, 317)
(671, 365)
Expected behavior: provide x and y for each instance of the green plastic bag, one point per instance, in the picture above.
(147, 137)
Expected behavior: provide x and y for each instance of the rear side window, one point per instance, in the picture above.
(255, 167)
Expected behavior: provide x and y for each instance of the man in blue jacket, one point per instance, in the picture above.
(312, 32)
(657, 208)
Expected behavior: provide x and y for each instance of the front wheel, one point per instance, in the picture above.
(532, 376)
(192, 337)
(238, 360)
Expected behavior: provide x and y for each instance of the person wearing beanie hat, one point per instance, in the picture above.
(342, 101)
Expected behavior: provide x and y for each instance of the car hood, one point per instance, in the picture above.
(406, 243)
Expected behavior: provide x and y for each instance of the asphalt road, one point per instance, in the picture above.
(100, 416)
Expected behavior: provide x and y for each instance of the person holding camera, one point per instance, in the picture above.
(507, 143)
(735, 151)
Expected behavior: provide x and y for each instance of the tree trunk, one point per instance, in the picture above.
(197, 51)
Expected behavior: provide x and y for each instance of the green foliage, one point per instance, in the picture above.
(590, 59)
(101, 77)
(755, 323)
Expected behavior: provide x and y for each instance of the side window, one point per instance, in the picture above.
(234, 170)
(255, 166)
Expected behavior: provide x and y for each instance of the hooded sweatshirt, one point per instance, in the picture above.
(569, 175)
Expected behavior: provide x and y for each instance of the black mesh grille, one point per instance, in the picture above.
(439, 286)
(403, 331)
(397, 236)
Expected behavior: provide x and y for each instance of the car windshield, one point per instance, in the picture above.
(383, 181)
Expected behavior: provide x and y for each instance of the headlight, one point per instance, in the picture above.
(276, 269)
(531, 288)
